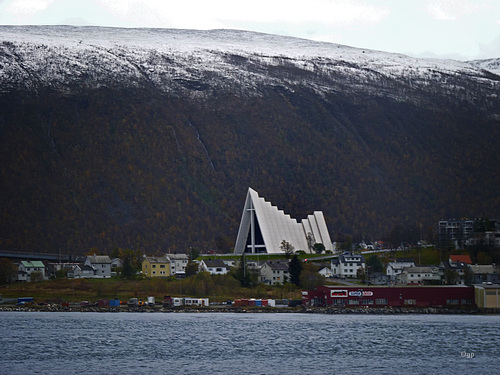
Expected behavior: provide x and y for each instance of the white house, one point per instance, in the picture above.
(394, 269)
(215, 267)
(116, 262)
(326, 272)
(420, 275)
(81, 271)
(178, 263)
(101, 264)
(347, 265)
(485, 273)
(26, 269)
(274, 272)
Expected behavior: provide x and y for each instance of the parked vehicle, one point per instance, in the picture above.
(133, 302)
(24, 301)
(167, 301)
(295, 303)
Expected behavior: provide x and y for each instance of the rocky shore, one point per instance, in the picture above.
(233, 309)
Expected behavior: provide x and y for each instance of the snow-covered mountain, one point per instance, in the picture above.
(150, 138)
(199, 62)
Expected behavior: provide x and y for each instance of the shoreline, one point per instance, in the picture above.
(254, 310)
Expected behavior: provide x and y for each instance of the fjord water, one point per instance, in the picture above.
(227, 343)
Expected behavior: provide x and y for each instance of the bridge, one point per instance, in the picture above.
(41, 256)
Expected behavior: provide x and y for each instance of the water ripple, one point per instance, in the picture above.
(129, 343)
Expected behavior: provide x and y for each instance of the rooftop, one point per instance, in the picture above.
(157, 259)
(461, 258)
(214, 263)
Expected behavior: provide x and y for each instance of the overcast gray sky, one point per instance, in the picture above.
(461, 29)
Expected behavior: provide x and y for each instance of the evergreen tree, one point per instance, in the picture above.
(295, 268)
(128, 269)
(242, 273)
(318, 248)
(373, 264)
(451, 277)
(468, 276)
(191, 268)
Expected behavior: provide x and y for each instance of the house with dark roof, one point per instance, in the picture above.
(485, 273)
(394, 269)
(378, 278)
(461, 270)
(420, 275)
(101, 264)
(274, 272)
(347, 265)
(215, 267)
(81, 271)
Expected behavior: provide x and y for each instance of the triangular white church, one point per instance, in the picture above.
(263, 227)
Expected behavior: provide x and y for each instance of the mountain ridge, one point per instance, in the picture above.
(143, 53)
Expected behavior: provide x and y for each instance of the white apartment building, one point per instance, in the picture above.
(347, 265)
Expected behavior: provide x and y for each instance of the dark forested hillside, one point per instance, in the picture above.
(139, 163)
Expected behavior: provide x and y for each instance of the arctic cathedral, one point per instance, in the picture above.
(263, 227)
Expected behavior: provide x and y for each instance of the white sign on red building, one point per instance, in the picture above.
(343, 293)
(361, 293)
(338, 293)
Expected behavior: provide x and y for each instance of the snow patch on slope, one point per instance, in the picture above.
(65, 57)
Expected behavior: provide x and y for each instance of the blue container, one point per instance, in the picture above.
(114, 302)
(258, 302)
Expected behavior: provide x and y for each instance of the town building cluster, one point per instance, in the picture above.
(459, 233)
(457, 270)
(101, 266)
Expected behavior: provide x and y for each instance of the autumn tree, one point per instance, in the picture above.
(310, 277)
(361, 274)
(36, 276)
(310, 240)
(287, 248)
(8, 271)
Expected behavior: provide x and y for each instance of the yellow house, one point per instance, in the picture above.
(156, 267)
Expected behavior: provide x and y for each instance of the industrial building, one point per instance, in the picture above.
(411, 296)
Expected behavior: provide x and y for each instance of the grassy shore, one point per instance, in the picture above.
(217, 289)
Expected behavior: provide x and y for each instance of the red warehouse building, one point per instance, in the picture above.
(423, 296)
